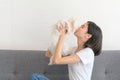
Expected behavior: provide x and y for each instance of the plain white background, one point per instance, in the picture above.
(26, 24)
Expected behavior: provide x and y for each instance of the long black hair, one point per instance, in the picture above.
(95, 42)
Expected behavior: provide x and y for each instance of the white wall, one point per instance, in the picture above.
(25, 24)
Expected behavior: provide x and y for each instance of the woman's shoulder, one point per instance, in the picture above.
(87, 50)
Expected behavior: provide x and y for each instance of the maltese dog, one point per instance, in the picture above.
(72, 26)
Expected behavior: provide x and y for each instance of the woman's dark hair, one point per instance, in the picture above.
(95, 42)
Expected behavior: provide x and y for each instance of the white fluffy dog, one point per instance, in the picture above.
(72, 26)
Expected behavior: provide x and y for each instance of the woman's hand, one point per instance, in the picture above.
(48, 54)
(63, 28)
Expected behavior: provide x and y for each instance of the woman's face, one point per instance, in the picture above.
(81, 32)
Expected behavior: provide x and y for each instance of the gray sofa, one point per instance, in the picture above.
(20, 64)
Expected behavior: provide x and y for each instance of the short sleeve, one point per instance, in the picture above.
(86, 55)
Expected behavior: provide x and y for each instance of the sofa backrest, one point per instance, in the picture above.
(21, 64)
(107, 66)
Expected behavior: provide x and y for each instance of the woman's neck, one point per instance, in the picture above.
(80, 46)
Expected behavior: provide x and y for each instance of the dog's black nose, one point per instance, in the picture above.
(66, 31)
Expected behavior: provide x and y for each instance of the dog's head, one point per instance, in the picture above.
(72, 24)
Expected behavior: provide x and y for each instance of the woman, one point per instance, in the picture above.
(80, 62)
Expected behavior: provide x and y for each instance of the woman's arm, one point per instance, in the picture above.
(57, 57)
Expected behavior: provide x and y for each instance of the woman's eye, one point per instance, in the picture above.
(82, 26)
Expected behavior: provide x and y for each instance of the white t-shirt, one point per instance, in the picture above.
(82, 70)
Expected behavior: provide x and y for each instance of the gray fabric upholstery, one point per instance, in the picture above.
(20, 64)
(107, 66)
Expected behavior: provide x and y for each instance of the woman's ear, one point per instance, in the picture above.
(89, 36)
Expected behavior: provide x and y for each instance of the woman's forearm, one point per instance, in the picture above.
(58, 51)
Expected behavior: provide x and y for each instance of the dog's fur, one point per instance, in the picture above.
(72, 26)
